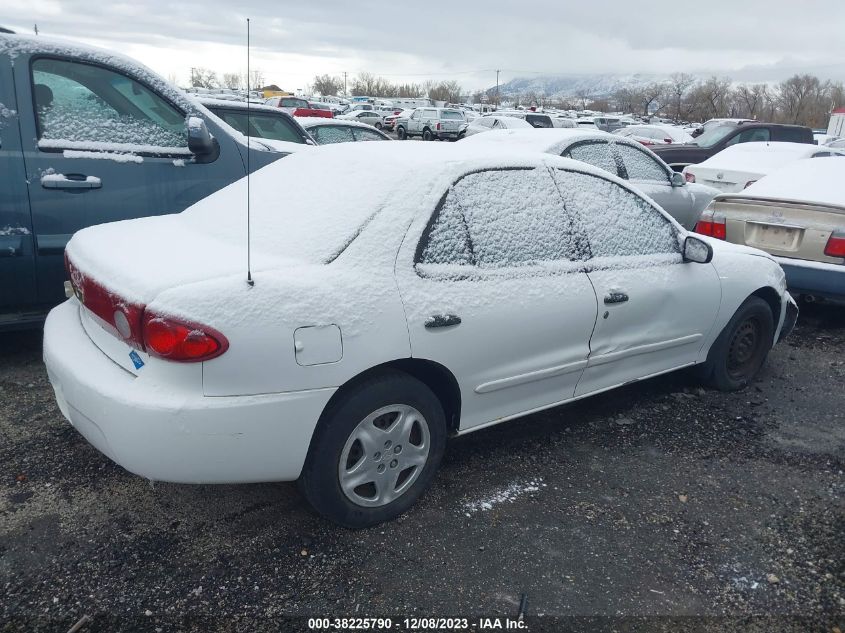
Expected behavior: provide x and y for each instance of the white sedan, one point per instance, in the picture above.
(655, 134)
(737, 166)
(381, 321)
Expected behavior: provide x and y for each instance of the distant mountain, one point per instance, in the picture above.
(562, 86)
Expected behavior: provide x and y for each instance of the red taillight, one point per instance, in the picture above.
(689, 177)
(117, 315)
(835, 245)
(712, 224)
(438, 126)
(177, 340)
(158, 335)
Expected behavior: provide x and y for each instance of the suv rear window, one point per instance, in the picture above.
(539, 120)
(452, 115)
(793, 135)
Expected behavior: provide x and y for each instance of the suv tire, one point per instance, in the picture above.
(401, 134)
(427, 135)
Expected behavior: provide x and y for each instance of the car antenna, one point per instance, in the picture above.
(249, 279)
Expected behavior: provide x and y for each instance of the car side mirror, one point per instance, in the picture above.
(678, 179)
(200, 141)
(697, 250)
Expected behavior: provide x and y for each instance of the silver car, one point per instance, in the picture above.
(621, 157)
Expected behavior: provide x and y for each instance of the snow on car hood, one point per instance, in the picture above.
(818, 180)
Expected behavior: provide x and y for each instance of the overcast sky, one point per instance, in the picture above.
(753, 40)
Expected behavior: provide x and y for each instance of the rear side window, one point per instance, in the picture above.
(617, 222)
(362, 134)
(261, 125)
(486, 122)
(793, 135)
(538, 120)
(638, 165)
(759, 134)
(328, 134)
(505, 218)
(83, 103)
(596, 153)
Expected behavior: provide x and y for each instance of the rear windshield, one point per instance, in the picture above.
(452, 115)
(287, 102)
(539, 120)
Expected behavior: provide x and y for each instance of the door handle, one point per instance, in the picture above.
(70, 181)
(615, 296)
(442, 320)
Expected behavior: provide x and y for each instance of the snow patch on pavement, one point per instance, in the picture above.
(505, 495)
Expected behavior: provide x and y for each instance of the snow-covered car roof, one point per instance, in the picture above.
(810, 181)
(761, 156)
(549, 140)
(313, 121)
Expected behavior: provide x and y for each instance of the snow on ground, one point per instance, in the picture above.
(508, 494)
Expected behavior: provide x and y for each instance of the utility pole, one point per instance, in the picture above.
(36, 29)
(497, 89)
(344, 83)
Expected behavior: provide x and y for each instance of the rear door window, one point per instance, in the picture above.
(362, 134)
(596, 153)
(261, 125)
(79, 105)
(328, 134)
(638, 165)
(792, 135)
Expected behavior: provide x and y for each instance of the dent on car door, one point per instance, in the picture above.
(17, 252)
(654, 310)
(496, 292)
(102, 146)
(652, 178)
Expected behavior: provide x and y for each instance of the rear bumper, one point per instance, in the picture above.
(814, 278)
(443, 134)
(170, 433)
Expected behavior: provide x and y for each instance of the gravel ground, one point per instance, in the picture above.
(658, 499)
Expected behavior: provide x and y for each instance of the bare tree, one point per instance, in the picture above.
(204, 78)
(650, 96)
(679, 85)
(327, 85)
(232, 80)
(751, 99)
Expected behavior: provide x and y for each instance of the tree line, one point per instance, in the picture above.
(801, 99)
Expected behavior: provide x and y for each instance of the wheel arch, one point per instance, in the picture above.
(772, 298)
(435, 376)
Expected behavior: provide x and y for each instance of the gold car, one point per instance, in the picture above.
(796, 214)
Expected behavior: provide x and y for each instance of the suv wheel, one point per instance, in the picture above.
(427, 135)
(741, 349)
(400, 133)
(375, 451)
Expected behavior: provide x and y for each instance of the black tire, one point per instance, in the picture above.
(742, 347)
(401, 134)
(320, 481)
(427, 135)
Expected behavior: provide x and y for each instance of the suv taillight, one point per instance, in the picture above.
(712, 224)
(835, 246)
(438, 125)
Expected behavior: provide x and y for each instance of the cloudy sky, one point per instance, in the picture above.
(752, 40)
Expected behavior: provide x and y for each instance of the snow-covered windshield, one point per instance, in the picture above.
(714, 135)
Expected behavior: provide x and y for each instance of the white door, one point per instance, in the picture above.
(654, 310)
(494, 290)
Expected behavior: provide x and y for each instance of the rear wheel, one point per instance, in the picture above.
(401, 134)
(741, 349)
(375, 451)
(427, 135)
